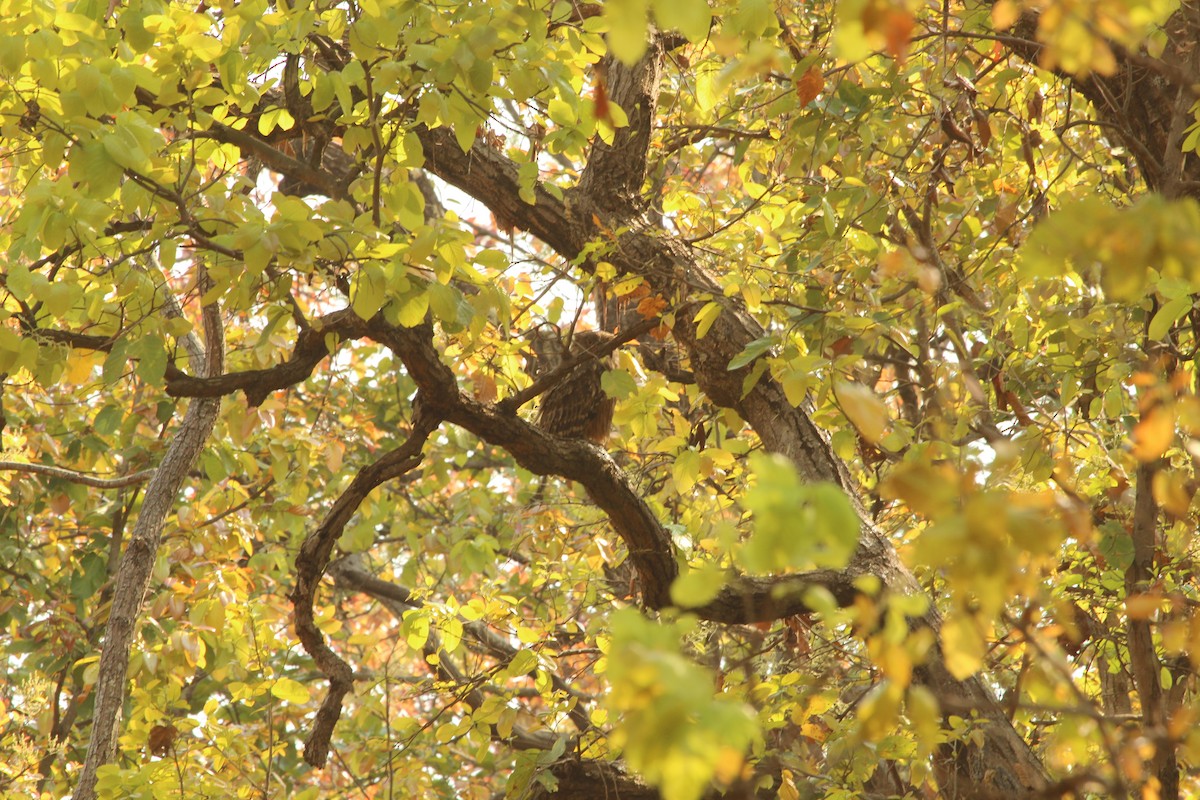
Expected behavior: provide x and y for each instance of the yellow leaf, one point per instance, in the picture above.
(695, 587)
(1173, 492)
(80, 366)
(879, 711)
(1005, 13)
(864, 409)
(290, 691)
(728, 764)
(928, 489)
(787, 787)
(963, 647)
(686, 470)
(628, 28)
(334, 451)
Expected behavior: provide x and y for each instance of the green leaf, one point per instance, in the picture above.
(116, 361)
(685, 471)
(152, 361)
(697, 586)
(628, 28)
(124, 149)
(274, 118)
(672, 727)
(752, 18)
(415, 628)
(618, 384)
(1116, 545)
(61, 297)
(108, 420)
(1167, 316)
(751, 352)
(796, 526)
(444, 302)
(369, 291)
(522, 663)
(692, 18)
(413, 308)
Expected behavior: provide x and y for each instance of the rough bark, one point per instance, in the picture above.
(133, 574)
(1143, 658)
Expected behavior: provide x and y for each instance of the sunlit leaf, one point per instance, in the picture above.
(864, 408)
(289, 690)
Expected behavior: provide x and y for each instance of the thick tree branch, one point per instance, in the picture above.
(1005, 763)
(310, 350)
(84, 341)
(298, 171)
(616, 172)
(650, 546)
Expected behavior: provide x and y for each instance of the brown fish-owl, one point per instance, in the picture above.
(576, 407)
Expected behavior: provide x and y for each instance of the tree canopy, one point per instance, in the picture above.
(899, 494)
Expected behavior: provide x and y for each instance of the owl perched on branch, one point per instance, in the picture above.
(576, 407)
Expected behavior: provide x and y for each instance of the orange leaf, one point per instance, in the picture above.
(982, 126)
(640, 290)
(810, 85)
(651, 307)
(600, 102)
(897, 31)
(1153, 434)
(1142, 606)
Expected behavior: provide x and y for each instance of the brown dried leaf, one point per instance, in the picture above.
(983, 127)
(485, 387)
(161, 738)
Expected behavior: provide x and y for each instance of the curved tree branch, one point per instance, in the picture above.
(311, 563)
(310, 350)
